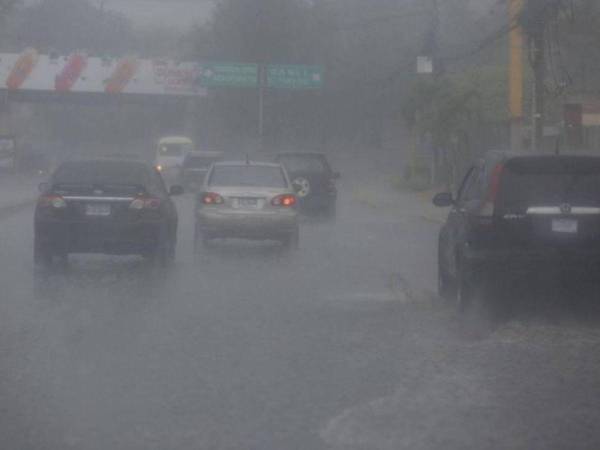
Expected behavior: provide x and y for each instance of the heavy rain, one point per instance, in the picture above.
(299, 224)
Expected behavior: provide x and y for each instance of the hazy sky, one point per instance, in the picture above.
(175, 13)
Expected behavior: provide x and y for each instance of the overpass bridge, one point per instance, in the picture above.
(33, 76)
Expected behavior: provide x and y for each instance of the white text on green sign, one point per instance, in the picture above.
(294, 77)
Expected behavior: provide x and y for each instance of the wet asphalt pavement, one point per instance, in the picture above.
(342, 344)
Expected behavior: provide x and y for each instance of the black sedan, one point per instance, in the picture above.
(313, 179)
(105, 206)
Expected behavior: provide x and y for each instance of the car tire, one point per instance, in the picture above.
(480, 295)
(164, 252)
(292, 241)
(331, 211)
(446, 288)
(42, 256)
(160, 257)
(465, 288)
(201, 239)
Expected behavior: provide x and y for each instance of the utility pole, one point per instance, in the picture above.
(538, 62)
(515, 75)
(536, 15)
(261, 104)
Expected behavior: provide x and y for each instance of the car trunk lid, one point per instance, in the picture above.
(550, 201)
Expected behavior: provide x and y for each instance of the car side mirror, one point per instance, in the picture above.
(443, 200)
(336, 175)
(43, 187)
(175, 190)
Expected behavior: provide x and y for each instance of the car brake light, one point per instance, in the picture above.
(488, 206)
(285, 200)
(159, 168)
(211, 198)
(145, 203)
(52, 201)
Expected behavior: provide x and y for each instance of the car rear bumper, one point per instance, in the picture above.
(318, 201)
(523, 261)
(255, 225)
(108, 238)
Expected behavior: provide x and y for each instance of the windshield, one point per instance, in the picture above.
(100, 173)
(550, 188)
(173, 150)
(248, 175)
(200, 162)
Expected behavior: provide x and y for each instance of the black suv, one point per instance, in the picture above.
(105, 206)
(195, 167)
(312, 178)
(515, 214)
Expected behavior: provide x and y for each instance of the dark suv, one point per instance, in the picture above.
(515, 214)
(312, 178)
(105, 206)
(195, 167)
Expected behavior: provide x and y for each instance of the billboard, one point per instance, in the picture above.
(78, 73)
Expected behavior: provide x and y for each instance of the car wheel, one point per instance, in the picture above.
(161, 256)
(201, 239)
(292, 241)
(480, 296)
(302, 187)
(164, 252)
(446, 288)
(464, 289)
(331, 211)
(171, 250)
(42, 256)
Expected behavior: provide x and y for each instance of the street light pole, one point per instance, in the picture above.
(539, 73)
(515, 75)
(261, 103)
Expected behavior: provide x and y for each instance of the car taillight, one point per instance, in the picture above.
(52, 201)
(211, 198)
(145, 203)
(488, 206)
(285, 200)
(159, 167)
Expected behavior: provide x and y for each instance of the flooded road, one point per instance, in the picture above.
(342, 344)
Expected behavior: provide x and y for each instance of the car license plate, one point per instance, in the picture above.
(564, 226)
(97, 209)
(246, 203)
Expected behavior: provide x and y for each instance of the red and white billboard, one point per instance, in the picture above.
(31, 71)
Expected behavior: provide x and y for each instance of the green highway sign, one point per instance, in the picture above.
(294, 77)
(229, 75)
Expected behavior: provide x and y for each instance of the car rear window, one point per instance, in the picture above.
(114, 176)
(550, 182)
(173, 149)
(248, 175)
(304, 163)
(200, 162)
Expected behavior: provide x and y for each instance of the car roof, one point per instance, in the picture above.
(206, 154)
(492, 158)
(109, 160)
(175, 140)
(300, 153)
(246, 163)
